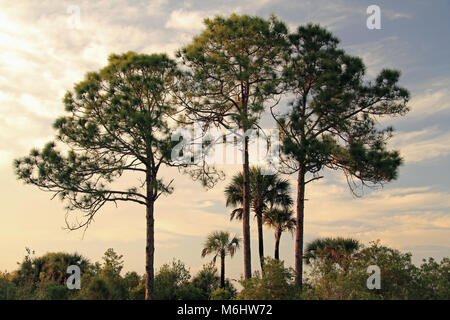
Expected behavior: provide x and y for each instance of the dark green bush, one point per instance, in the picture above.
(275, 283)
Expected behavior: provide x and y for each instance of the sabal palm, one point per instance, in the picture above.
(266, 191)
(221, 244)
(53, 265)
(56, 264)
(281, 220)
(333, 250)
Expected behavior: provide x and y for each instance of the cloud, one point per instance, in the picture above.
(421, 145)
(393, 15)
(5, 157)
(41, 57)
(184, 20)
(389, 52)
(399, 216)
(189, 20)
(156, 7)
(331, 14)
(431, 102)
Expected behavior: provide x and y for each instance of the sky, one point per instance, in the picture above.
(47, 46)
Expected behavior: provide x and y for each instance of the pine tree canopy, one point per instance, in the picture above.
(333, 120)
(117, 121)
(234, 67)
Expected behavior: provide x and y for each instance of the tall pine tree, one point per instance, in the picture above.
(235, 71)
(117, 123)
(332, 122)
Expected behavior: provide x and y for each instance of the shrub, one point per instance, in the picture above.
(400, 278)
(223, 294)
(207, 280)
(433, 280)
(52, 290)
(169, 280)
(275, 283)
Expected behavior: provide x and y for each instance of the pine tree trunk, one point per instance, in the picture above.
(277, 244)
(260, 238)
(246, 213)
(222, 270)
(299, 227)
(150, 241)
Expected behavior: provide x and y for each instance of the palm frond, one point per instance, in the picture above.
(236, 214)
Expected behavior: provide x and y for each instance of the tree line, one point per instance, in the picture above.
(337, 269)
(119, 121)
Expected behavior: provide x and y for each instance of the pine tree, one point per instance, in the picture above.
(332, 122)
(116, 124)
(235, 71)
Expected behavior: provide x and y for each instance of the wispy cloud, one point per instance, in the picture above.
(184, 20)
(421, 145)
(387, 52)
(430, 103)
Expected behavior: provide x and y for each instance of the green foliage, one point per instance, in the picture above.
(169, 281)
(45, 277)
(400, 278)
(233, 70)
(220, 243)
(94, 289)
(331, 250)
(109, 281)
(280, 219)
(117, 121)
(207, 280)
(326, 279)
(234, 64)
(275, 283)
(332, 121)
(135, 286)
(104, 282)
(266, 191)
(105, 286)
(189, 292)
(51, 290)
(223, 294)
(112, 262)
(433, 280)
(8, 289)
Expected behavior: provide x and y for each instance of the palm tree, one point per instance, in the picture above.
(280, 219)
(221, 244)
(266, 191)
(51, 266)
(332, 250)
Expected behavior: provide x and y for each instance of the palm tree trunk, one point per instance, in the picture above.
(299, 227)
(260, 237)
(222, 269)
(150, 240)
(246, 213)
(277, 244)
